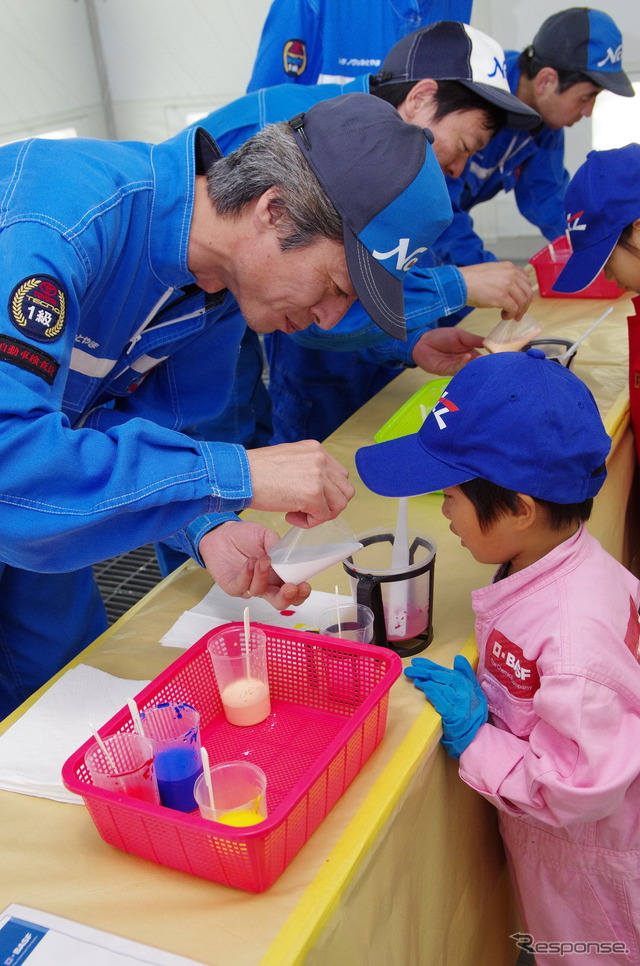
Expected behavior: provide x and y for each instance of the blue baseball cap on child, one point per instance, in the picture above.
(384, 181)
(517, 419)
(583, 40)
(601, 200)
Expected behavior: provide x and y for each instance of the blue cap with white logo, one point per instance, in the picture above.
(601, 200)
(517, 419)
(449, 50)
(382, 177)
(584, 40)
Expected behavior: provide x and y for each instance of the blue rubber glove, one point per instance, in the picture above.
(457, 697)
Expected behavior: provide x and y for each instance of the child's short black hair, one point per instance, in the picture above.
(491, 501)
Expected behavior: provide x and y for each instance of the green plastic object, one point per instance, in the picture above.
(410, 417)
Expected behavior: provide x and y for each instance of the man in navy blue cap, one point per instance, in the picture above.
(124, 265)
(576, 54)
(443, 77)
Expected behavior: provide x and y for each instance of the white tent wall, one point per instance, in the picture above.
(48, 71)
(141, 69)
(167, 60)
(129, 69)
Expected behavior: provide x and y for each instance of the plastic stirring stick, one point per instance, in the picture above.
(247, 638)
(552, 252)
(399, 561)
(204, 754)
(338, 611)
(400, 548)
(572, 348)
(103, 748)
(135, 716)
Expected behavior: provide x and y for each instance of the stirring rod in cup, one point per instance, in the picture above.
(338, 610)
(204, 754)
(135, 716)
(584, 335)
(103, 748)
(398, 593)
(247, 638)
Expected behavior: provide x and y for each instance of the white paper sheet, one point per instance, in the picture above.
(34, 749)
(219, 608)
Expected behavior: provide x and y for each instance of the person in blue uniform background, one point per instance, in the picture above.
(575, 54)
(333, 41)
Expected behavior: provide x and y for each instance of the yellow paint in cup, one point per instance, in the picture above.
(241, 818)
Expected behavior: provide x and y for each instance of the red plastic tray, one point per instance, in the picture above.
(329, 701)
(547, 270)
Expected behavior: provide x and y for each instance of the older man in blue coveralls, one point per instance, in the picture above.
(442, 76)
(123, 268)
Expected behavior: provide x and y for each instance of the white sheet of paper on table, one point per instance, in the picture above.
(219, 608)
(34, 749)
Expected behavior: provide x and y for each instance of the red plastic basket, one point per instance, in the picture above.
(547, 270)
(329, 701)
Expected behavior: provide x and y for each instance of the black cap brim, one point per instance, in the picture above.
(617, 83)
(380, 293)
(519, 115)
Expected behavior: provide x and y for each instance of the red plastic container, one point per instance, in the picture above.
(547, 270)
(329, 701)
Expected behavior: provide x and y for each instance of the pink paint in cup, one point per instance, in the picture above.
(241, 673)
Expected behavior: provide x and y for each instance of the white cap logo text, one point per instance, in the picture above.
(404, 261)
(612, 56)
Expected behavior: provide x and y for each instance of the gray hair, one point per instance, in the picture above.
(272, 158)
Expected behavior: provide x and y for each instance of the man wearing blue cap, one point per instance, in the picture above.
(549, 730)
(443, 77)
(575, 54)
(123, 265)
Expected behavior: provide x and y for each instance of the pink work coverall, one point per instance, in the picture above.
(558, 648)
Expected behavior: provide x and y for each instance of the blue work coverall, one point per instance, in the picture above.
(107, 351)
(332, 41)
(529, 163)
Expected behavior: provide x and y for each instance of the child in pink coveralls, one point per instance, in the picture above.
(549, 731)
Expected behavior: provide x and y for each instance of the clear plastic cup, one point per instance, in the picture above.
(127, 768)
(174, 732)
(349, 621)
(239, 794)
(242, 676)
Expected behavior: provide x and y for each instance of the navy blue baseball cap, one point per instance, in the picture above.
(384, 180)
(601, 200)
(517, 419)
(587, 41)
(449, 50)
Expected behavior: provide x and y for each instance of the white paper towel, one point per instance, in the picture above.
(219, 608)
(34, 749)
